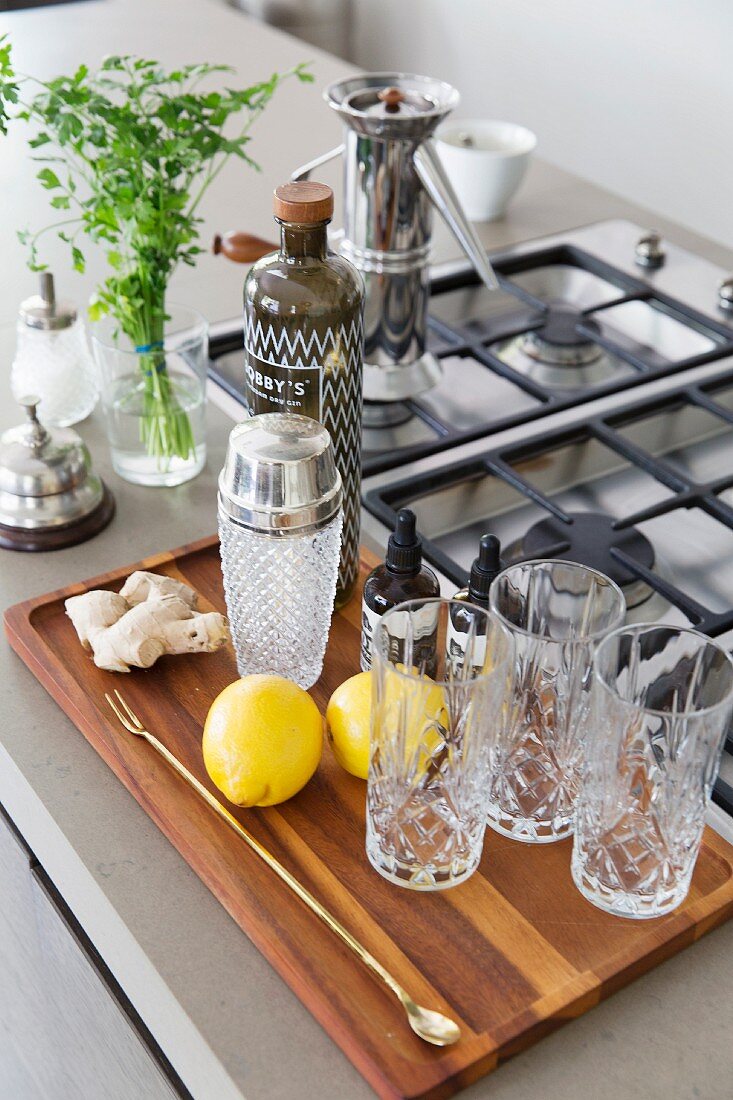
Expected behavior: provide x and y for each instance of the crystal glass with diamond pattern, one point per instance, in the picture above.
(557, 612)
(280, 523)
(279, 597)
(431, 743)
(661, 703)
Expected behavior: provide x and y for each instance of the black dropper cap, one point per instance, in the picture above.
(404, 548)
(485, 569)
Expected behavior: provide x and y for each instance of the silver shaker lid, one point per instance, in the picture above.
(279, 475)
(42, 311)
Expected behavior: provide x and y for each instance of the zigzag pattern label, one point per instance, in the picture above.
(303, 348)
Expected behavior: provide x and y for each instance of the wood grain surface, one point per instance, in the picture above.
(512, 953)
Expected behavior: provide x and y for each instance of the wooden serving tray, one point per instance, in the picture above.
(512, 953)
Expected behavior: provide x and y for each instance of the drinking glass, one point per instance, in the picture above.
(154, 398)
(556, 611)
(661, 702)
(431, 742)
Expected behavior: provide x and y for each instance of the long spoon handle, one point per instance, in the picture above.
(305, 896)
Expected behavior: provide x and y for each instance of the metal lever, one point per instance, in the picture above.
(432, 174)
(303, 173)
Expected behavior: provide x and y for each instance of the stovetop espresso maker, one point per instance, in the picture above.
(393, 176)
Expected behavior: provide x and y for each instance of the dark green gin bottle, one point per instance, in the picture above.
(303, 341)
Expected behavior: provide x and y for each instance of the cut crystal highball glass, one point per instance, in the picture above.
(431, 743)
(661, 704)
(556, 612)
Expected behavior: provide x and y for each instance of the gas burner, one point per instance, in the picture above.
(559, 341)
(558, 355)
(590, 538)
(568, 284)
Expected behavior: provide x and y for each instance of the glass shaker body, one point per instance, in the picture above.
(280, 522)
(279, 594)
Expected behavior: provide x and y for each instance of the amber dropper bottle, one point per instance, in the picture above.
(486, 567)
(402, 576)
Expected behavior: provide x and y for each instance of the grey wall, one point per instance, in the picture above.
(636, 95)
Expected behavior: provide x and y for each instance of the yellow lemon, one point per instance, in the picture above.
(347, 719)
(263, 739)
(415, 710)
(408, 703)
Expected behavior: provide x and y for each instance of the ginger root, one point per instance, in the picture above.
(93, 611)
(150, 616)
(141, 586)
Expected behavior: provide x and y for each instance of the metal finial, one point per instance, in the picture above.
(36, 435)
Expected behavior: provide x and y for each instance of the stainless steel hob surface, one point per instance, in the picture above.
(654, 474)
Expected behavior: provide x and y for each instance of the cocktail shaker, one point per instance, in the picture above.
(280, 522)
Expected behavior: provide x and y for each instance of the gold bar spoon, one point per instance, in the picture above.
(431, 1026)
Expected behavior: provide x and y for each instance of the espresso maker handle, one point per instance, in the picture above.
(434, 179)
(303, 173)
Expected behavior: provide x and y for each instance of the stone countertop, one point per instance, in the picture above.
(226, 1021)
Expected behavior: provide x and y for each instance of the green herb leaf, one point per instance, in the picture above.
(48, 179)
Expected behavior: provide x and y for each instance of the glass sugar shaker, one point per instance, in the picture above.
(280, 520)
(52, 358)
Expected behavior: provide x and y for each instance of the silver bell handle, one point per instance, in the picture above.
(434, 179)
(34, 435)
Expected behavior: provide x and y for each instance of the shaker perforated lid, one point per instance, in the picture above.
(42, 311)
(279, 475)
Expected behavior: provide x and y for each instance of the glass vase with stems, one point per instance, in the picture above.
(153, 385)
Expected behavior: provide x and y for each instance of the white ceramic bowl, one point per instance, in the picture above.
(488, 169)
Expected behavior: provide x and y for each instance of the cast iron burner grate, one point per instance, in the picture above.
(548, 328)
(593, 539)
(630, 555)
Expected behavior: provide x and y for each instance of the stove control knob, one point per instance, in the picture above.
(649, 251)
(725, 294)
